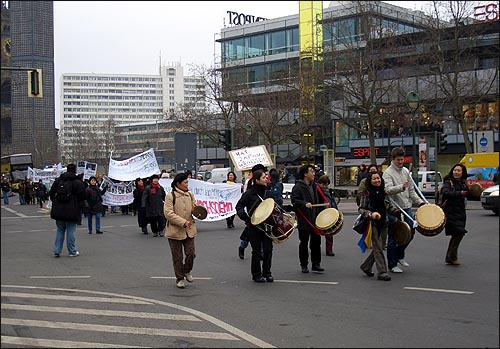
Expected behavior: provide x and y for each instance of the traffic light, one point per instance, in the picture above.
(35, 83)
(443, 143)
(225, 139)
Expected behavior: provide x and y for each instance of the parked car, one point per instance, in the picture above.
(489, 199)
(427, 182)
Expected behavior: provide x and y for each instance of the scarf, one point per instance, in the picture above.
(154, 187)
(140, 187)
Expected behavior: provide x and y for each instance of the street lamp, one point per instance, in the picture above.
(413, 102)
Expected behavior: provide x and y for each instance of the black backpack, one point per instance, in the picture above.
(63, 191)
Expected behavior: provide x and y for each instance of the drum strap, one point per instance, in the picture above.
(316, 230)
(323, 195)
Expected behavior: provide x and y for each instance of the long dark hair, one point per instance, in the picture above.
(256, 175)
(450, 174)
(369, 184)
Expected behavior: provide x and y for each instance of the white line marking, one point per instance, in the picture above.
(61, 277)
(308, 282)
(14, 211)
(132, 314)
(48, 343)
(437, 290)
(173, 277)
(118, 329)
(23, 216)
(74, 298)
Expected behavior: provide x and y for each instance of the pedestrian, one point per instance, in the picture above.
(275, 186)
(181, 228)
(152, 200)
(318, 172)
(362, 173)
(93, 196)
(142, 220)
(5, 190)
(67, 193)
(323, 184)
(399, 187)
(231, 179)
(304, 195)
(22, 192)
(262, 245)
(373, 206)
(41, 192)
(454, 192)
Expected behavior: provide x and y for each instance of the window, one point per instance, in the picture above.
(277, 42)
(256, 46)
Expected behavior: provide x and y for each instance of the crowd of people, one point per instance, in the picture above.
(383, 199)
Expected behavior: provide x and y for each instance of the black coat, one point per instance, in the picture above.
(250, 200)
(301, 195)
(67, 211)
(455, 206)
(94, 199)
(153, 202)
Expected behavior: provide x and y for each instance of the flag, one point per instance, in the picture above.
(366, 239)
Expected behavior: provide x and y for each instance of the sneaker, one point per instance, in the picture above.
(180, 284)
(396, 270)
(189, 277)
(305, 269)
(317, 269)
(403, 263)
(384, 277)
(57, 255)
(269, 278)
(75, 255)
(330, 254)
(98, 232)
(259, 279)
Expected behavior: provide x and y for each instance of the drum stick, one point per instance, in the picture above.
(318, 205)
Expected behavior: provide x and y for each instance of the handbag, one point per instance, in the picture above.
(360, 224)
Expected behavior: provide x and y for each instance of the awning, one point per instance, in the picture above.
(357, 162)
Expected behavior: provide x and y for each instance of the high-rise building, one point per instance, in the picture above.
(28, 126)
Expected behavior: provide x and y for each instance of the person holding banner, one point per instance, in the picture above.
(181, 228)
(231, 179)
(262, 245)
(93, 195)
(152, 200)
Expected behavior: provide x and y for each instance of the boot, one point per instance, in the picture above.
(241, 252)
(145, 230)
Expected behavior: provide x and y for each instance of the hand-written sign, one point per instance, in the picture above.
(245, 158)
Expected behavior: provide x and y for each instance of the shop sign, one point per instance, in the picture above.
(486, 13)
(363, 152)
(241, 18)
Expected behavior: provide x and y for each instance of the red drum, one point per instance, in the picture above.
(277, 224)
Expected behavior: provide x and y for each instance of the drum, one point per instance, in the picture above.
(401, 232)
(330, 221)
(475, 189)
(199, 212)
(430, 219)
(276, 223)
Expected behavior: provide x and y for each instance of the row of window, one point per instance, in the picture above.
(111, 91)
(111, 78)
(86, 97)
(106, 104)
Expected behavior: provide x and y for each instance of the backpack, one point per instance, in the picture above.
(63, 191)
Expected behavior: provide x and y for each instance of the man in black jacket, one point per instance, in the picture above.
(304, 195)
(67, 194)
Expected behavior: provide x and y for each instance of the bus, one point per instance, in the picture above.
(15, 166)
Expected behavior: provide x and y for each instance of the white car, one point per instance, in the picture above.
(427, 182)
(489, 199)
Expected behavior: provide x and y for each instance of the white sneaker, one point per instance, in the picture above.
(180, 284)
(189, 277)
(403, 263)
(75, 255)
(396, 270)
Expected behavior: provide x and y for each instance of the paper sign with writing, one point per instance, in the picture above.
(245, 158)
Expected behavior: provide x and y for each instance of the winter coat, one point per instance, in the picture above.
(5, 187)
(302, 193)
(454, 209)
(153, 202)
(94, 199)
(394, 177)
(250, 200)
(40, 190)
(67, 211)
(177, 215)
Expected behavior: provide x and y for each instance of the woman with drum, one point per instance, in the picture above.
(259, 241)
(323, 183)
(454, 192)
(374, 206)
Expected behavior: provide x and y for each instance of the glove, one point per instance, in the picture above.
(464, 193)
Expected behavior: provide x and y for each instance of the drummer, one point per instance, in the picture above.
(304, 195)
(257, 191)
(400, 188)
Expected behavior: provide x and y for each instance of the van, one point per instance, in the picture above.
(427, 182)
(219, 175)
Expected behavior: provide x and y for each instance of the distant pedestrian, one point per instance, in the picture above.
(231, 179)
(41, 192)
(142, 220)
(152, 200)
(66, 195)
(5, 190)
(93, 195)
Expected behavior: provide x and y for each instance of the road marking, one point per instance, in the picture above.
(308, 282)
(119, 329)
(35, 342)
(173, 277)
(437, 290)
(61, 277)
(14, 212)
(74, 298)
(100, 312)
(24, 216)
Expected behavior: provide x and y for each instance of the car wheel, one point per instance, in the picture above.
(496, 212)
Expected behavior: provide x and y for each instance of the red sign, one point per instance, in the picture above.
(486, 13)
(363, 152)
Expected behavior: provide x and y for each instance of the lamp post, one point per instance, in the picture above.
(413, 102)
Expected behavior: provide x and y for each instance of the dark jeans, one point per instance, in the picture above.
(396, 252)
(308, 237)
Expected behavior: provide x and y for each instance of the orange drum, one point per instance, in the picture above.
(276, 223)
(430, 219)
(330, 221)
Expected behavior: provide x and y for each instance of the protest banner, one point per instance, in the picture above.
(118, 194)
(142, 165)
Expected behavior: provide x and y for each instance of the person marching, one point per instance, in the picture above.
(93, 195)
(181, 229)
(454, 194)
(142, 220)
(152, 200)
(248, 203)
(323, 183)
(231, 179)
(373, 206)
(304, 195)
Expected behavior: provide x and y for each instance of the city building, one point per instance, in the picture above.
(27, 123)
(262, 59)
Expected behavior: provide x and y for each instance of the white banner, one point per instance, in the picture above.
(142, 165)
(219, 199)
(118, 194)
(245, 158)
(47, 176)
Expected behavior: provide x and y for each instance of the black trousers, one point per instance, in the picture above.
(309, 237)
(262, 251)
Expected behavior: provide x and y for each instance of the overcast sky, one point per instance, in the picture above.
(128, 37)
